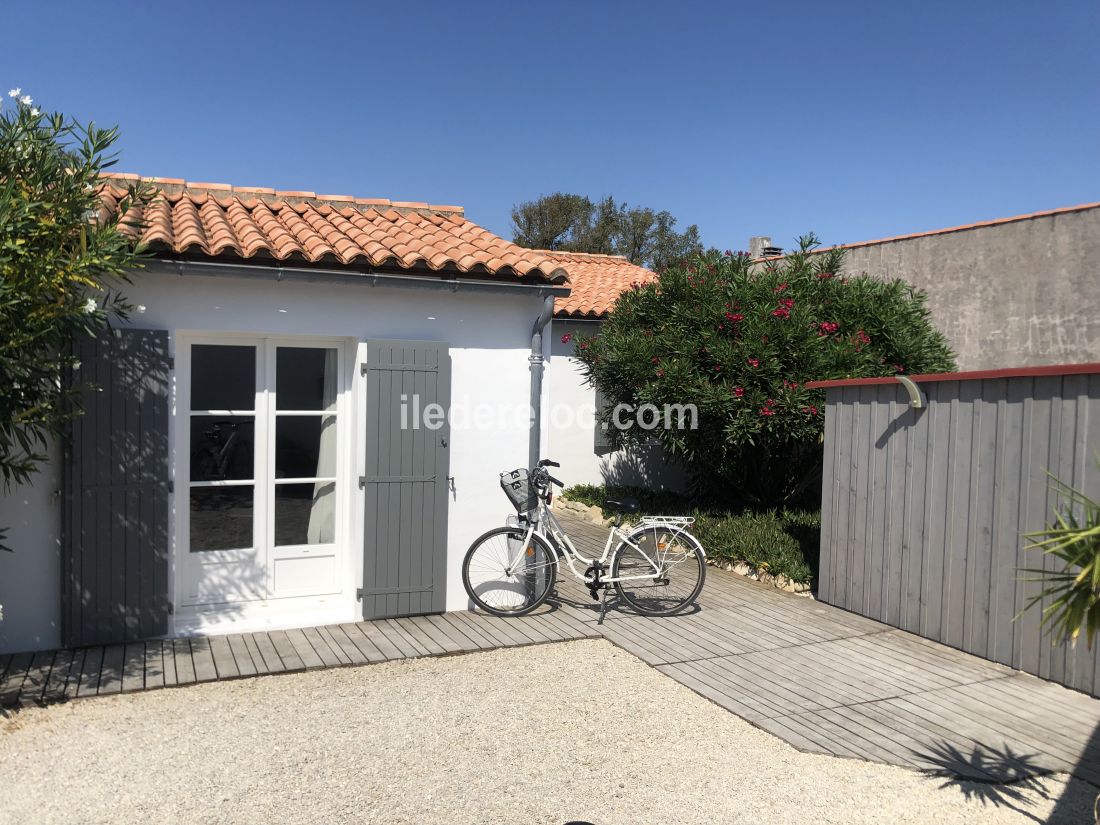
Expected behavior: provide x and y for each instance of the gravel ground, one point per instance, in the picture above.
(509, 736)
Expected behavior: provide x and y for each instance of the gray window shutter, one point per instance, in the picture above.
(115, 491)
(602, 442)
(406, 483)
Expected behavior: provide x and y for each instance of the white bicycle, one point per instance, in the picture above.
(656, 567)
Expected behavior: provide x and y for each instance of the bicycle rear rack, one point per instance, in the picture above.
(661, 521)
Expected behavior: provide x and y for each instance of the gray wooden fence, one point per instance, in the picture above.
(924, 511)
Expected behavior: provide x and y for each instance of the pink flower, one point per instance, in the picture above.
(565, 339)
(735, 317)
(781, 312)
(825, 275)
(739, 391)
(787, 302)
(781, 287)
(660, 373)
(767, 411)
(754, 362)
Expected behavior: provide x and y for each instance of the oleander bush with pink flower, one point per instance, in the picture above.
(739, 339)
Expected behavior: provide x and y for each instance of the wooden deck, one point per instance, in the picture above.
(822, 679)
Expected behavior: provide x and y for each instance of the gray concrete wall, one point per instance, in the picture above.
(925, 512)
(1019, 293)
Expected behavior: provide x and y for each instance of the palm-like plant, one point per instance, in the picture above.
(1073, 586)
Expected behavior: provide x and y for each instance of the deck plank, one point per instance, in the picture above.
(184, 661)
(265, 646)
(154, 664)
(338, 638)
(366, 647)
(133, 667)
(242, 656)
(321, 646)
(14, 676)
(225, 665)
(203, 657)
(38, 674)
(400, 639)
(309, 657)
(59, 676)
(287, 652)
(375, 635)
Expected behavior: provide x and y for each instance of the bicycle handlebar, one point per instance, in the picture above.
(539, 476)
(548, 463)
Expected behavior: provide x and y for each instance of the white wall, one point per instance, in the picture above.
(489, 337)
(30, 576)
(570, 419)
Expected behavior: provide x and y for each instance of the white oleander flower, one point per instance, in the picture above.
(34, 112)
(14, 92)
(26, 100)
(140, 308)
(90, 306)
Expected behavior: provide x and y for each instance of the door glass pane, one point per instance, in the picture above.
(223, 378)
(221, 518)
(305, 378)
(222, 447)
(305, 446)
(305, 513)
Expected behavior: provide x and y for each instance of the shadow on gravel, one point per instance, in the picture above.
(1003, 778)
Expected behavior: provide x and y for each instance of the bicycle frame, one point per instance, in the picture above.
(563, 545)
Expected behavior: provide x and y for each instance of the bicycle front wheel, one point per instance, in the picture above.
(506, 577)
(662, 569)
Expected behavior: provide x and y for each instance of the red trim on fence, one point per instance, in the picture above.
(976, 375)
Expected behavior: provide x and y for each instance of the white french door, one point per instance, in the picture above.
(262, 504)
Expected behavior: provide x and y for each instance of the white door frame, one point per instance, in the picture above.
(263, 553)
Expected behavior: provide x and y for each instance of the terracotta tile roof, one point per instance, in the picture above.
(218, 220)
(596, 281)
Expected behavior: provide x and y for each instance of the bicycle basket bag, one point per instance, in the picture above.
(517, 486)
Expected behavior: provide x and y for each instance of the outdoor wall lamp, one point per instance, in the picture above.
(916, 397)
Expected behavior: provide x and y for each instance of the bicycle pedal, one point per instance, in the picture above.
(594, 593)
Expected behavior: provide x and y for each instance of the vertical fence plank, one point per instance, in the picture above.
(826, 543)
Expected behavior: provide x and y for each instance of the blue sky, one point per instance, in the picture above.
(852, 119)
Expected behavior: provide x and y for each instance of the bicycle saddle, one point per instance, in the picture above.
(627, 505)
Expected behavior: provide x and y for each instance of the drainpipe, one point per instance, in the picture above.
(535, 360)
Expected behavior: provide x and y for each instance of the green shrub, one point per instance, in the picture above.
(758, 539)
(784, 542)
(650, 502)
(739, 340)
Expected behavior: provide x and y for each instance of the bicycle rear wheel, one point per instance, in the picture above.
(664, 573)
(505, 578)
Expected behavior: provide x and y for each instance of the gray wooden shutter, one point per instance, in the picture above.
(602, 439)
(115, 491)
(406, 484)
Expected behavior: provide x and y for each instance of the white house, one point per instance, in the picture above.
(304, 419)
(264, 450)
